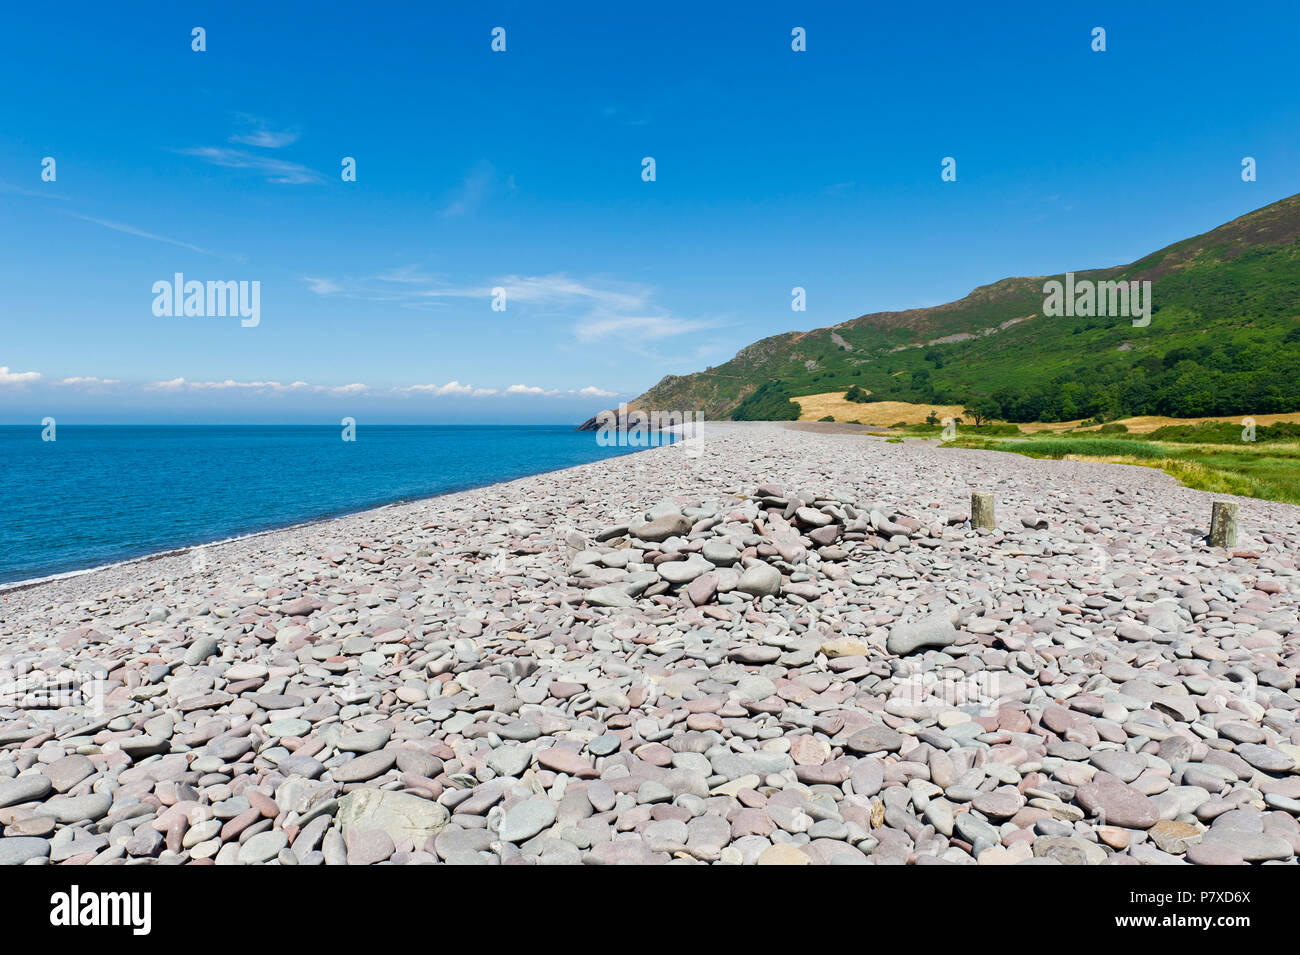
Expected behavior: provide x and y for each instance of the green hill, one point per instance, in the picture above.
(1224, 339)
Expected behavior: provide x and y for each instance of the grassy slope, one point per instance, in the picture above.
(1238, 285)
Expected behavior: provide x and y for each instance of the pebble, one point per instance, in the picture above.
(262, 847)
(526, 819)
(15, 850)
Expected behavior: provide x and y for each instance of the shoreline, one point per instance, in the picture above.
(7, 587)
(11, 588)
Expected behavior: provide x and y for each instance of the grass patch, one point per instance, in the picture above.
(1270, 471)
(983, 431)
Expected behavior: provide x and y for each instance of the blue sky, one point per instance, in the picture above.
(522, 170)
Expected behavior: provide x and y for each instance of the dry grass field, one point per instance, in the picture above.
(882, 413)
(886, 413)
(1144, 424)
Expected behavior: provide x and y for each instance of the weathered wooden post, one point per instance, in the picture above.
(981, 509)
(1223, 524)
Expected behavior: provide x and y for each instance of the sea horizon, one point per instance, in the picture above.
(67, 521)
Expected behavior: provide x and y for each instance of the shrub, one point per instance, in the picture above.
(771, 402)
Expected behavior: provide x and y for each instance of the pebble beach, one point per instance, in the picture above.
(787, 648)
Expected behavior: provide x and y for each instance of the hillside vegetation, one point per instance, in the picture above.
(1224, 339)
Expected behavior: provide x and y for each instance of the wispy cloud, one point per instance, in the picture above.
(599, 309)
(646, 327)
(407, 274)
(258, 133)
(47, 193)
(275, 170)
(479, 183)
(322, 286)
(560, 288)
(410, 283)
(132, 230)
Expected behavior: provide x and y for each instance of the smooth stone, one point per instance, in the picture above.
(15, 850)
(21, 789)
(935, 630)
(366, 766)
(1116, 803)
(783, 854)
(875, 738)
(262, 847)
(526, 819)
(67, 772)
(404, 816)
(610, 595)
(91, 806)
(761, 580)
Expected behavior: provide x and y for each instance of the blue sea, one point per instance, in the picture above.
(100, 494)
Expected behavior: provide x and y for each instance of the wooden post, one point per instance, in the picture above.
(1223, 524)
(981, 509)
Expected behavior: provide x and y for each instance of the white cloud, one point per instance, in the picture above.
(450, 388)
(229, 384)
(589, 392)
(90, 382)
(276, 170)
(8, 377)
(180, 385)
